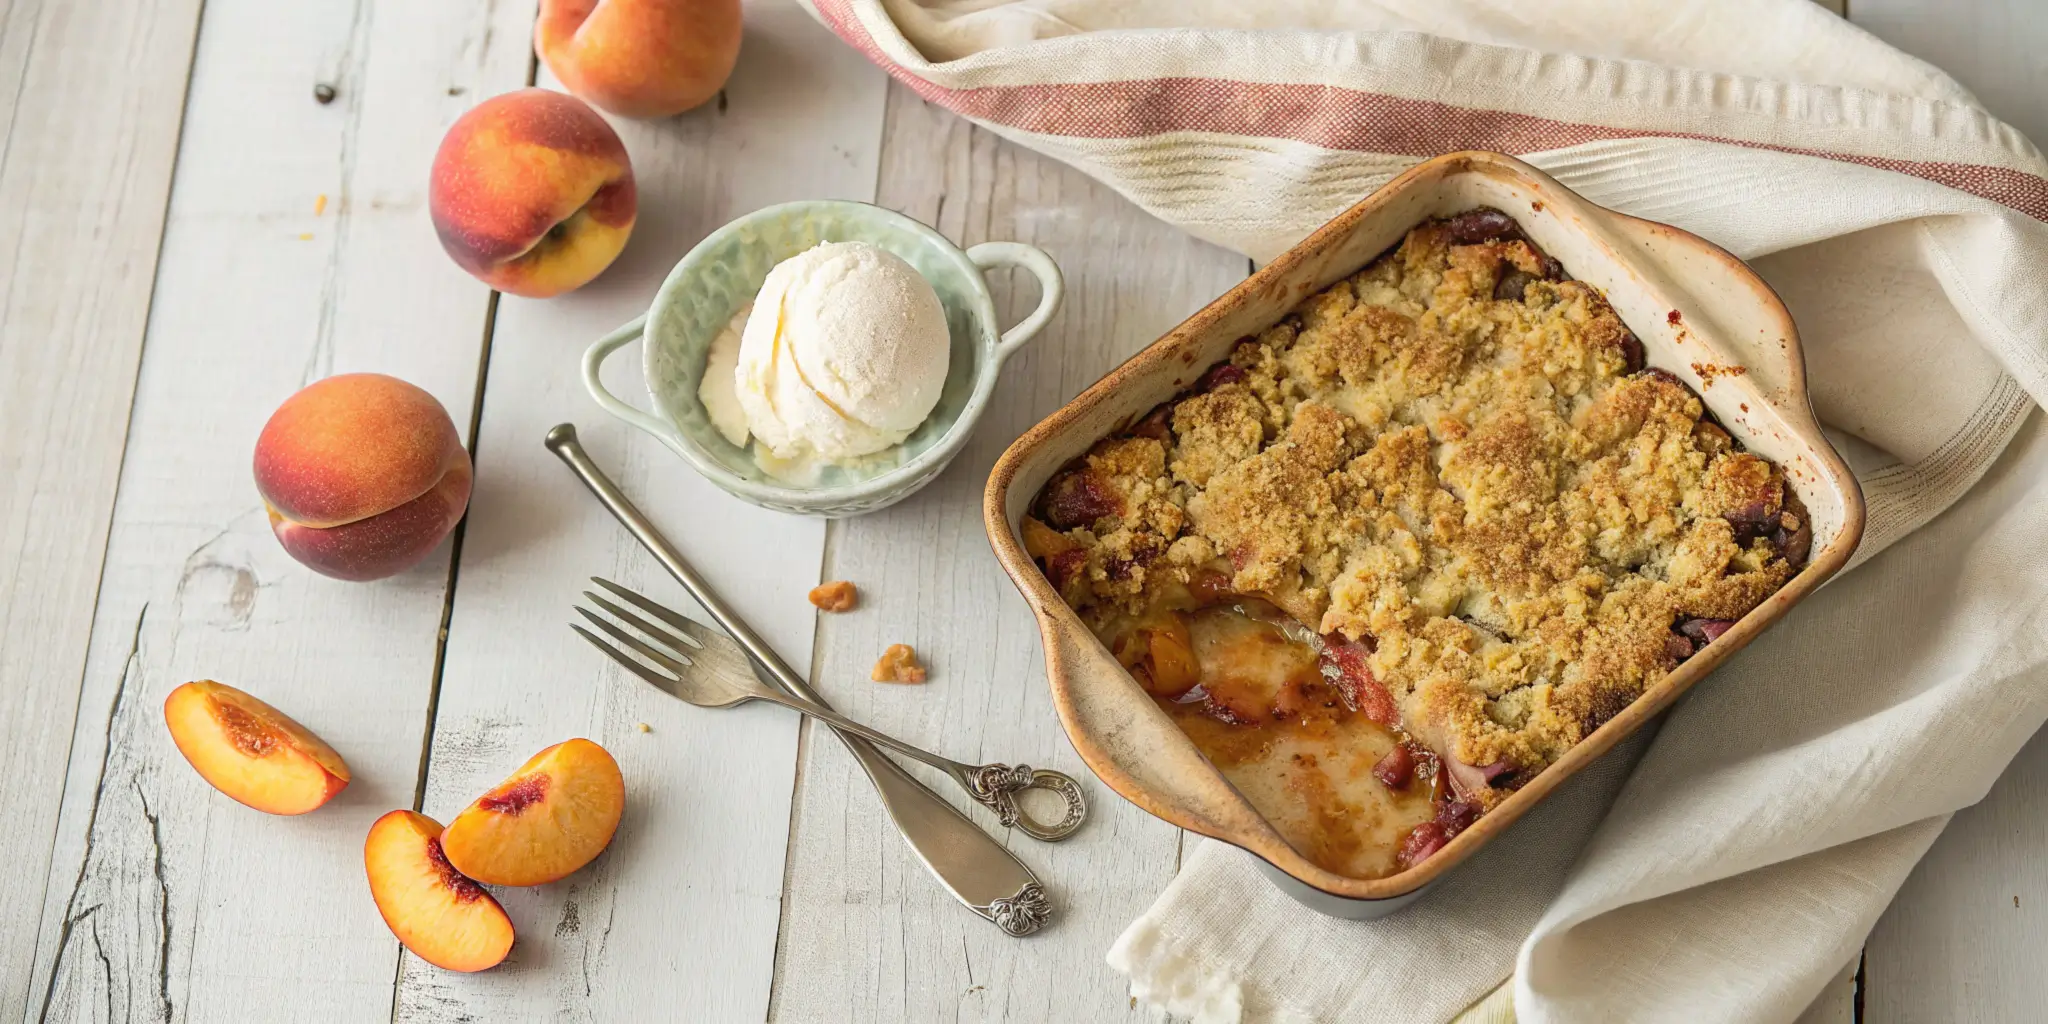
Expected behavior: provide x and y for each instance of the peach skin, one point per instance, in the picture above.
(445, 919)
(640, 58)
(251, 751)
(363, 475)
(532, 193)
(554, 815)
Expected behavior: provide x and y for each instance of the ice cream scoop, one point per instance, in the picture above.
(844, 354)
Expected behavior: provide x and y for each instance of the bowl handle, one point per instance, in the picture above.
(1051, 287)
(594, 357)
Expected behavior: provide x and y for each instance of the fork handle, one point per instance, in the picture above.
(845, 725)
(994, 786)
(979, 871)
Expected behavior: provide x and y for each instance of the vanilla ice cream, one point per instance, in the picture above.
(843, 356)
(717, 392)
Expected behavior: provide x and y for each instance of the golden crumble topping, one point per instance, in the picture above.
(1455, 461)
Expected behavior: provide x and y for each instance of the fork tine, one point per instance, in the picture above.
(641, 646)
(680, 622)
(660, 682)
(660, 635)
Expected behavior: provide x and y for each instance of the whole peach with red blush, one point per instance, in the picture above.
(640, 58)
(532, 193)
(363, 475)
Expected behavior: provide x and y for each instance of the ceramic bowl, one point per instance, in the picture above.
(1699, 312)
(726, 270)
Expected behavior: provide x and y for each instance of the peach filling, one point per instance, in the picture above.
(1298, 724)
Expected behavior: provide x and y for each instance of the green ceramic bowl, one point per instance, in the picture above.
(725, 271)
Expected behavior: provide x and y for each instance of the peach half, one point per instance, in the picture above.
(445, 919)
(251, 751)
(554, 815)
(363, 475)
(640, 58)
(532, 193)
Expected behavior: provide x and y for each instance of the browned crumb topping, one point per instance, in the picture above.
(898, 665)
(1456, 457)
(836, 596)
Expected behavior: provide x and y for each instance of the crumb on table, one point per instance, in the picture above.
(898, 665)
(836, 596)
(643, 727)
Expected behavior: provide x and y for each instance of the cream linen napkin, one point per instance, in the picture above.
(1730, 867)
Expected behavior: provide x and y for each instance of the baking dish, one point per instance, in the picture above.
(1701, 315)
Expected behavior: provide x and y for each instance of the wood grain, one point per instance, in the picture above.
(165, 899)
(677, 921)
(866, 935)
(91, 94)
(1963, 939)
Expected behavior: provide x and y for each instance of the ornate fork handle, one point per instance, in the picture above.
(997, 786)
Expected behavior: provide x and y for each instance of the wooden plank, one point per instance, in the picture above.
(678, 920)
(164, 898)
(1963, 939)
(91, 93)
(1993, 47)
(867, 936)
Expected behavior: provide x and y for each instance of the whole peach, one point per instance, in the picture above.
(532, 193)
(363, 474)
(640, 58)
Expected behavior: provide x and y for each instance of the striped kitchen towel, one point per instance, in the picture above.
(1729, 869)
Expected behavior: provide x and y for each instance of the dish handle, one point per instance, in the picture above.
(1051, 287)
(1751, 318)
(593, 360)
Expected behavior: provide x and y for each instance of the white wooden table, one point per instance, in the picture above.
(190, 236)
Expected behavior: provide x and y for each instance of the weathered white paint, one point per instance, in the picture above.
(166, 900)
(91, 92)
(865, 935)
(174, 894)
(677, 921)
(1965, 938)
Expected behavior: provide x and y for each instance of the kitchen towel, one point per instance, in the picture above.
(1729, 867)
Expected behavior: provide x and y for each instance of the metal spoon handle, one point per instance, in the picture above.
(970, 863)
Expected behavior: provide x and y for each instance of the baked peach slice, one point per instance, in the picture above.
(445, 919)
(554, 815)
(251, 751)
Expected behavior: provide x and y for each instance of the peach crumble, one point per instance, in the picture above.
(898, 664)
(1409, 545)
(836, 596)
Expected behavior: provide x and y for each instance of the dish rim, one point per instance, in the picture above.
(676, 287)
(1058, 623)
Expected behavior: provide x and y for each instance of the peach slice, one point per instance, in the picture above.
(555, 814)
(445, 919)
(252, 751)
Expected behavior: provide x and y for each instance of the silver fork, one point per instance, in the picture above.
(976, 868)
(707, 668)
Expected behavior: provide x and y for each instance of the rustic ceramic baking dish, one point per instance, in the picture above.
(1701, 314)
